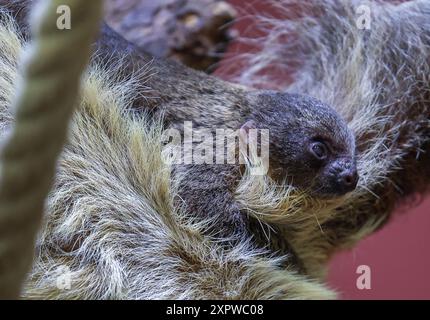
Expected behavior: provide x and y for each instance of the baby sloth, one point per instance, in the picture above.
(310, 147)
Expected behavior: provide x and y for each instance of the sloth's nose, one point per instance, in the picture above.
(348, 179)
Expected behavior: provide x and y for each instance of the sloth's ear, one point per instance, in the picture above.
(245, 128)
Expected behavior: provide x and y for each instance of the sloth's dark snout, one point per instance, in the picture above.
(344, 176)
(348, 179)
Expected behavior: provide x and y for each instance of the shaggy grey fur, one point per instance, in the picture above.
(111, 221)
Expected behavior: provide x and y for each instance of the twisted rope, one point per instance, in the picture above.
(43, 109)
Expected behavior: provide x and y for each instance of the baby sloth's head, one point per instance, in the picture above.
(311, 146)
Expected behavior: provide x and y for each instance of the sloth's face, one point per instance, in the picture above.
(332, 169)
(316, 165)
(311, 146)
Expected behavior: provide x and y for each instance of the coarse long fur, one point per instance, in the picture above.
(111, 226)
(379, 80)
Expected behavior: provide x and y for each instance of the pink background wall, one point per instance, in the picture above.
(398, 255)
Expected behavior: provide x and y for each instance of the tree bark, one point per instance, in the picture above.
(195, 32)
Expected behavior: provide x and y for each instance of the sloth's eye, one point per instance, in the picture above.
(319, 150)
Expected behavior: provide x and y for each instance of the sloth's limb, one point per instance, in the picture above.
(207, 192)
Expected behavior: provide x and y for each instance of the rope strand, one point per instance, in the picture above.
(44, 106)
